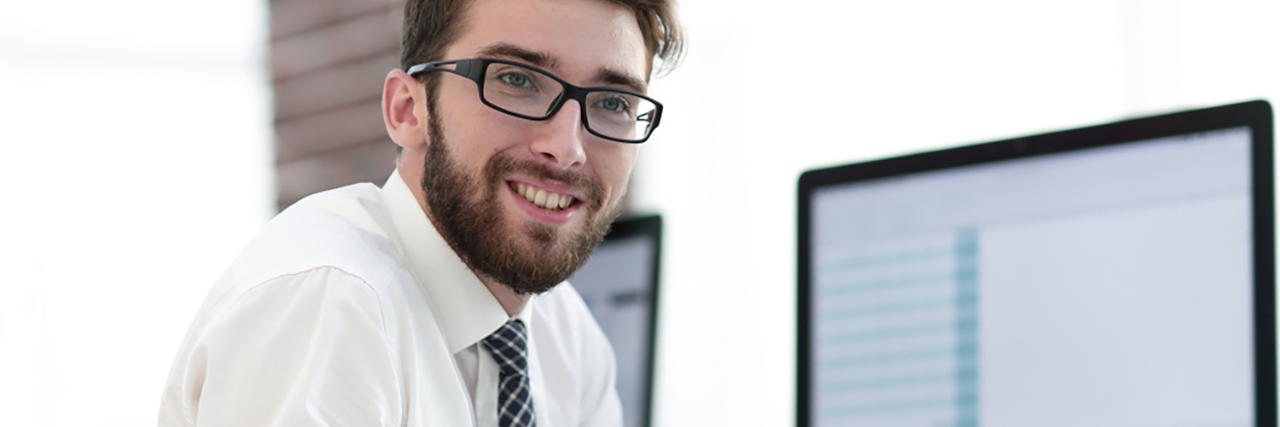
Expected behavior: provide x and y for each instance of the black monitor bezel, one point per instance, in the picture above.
(646, 226)
(1255, 114)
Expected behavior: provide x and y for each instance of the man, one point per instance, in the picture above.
(435, 300)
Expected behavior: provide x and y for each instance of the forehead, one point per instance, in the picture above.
(582, 37)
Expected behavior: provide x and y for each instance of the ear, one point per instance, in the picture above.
(404, 111)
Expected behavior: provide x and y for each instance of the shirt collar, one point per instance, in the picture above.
(465, 309)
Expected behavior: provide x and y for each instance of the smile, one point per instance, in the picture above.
(546, 200)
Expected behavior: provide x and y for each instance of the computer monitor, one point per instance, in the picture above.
(620, 286)
(1116, 275)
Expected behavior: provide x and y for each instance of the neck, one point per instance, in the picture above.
(511, 301)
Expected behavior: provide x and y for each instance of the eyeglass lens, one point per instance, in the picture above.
(531, 93)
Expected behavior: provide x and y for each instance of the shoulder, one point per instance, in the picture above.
(322, 300)
(314, 301)
(340, 230)
(330, 250)
(314, 298)
(275, 349)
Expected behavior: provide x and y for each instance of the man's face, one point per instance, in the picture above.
(480, 160)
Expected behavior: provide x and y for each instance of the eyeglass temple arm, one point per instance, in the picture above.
(469, 68)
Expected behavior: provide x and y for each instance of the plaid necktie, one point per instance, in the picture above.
(508, 348)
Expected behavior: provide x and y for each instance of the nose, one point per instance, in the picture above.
(559, 138)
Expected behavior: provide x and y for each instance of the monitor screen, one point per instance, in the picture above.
(1107, 286)
(619, 283)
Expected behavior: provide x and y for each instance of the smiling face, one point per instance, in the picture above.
(524, 202)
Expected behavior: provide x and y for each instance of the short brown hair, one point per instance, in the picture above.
(430, 26)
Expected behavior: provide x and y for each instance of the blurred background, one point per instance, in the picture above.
(143, 142)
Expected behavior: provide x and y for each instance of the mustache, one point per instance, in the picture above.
(501, 165)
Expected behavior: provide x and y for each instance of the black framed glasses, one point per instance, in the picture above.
(533, 94)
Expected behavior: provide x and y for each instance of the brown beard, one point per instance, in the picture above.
(466, 211)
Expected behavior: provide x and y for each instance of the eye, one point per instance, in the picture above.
(613, 104)
(516, 79)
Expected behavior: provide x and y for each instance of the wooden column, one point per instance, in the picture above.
(328, 61)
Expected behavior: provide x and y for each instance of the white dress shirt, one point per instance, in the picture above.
(349, 309)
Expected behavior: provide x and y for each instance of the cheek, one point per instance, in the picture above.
(476, 134)
(614, 168)
(474, 129)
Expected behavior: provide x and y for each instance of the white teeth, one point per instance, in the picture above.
(543, 198)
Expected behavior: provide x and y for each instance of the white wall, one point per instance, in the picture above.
(135, 160)
(771, 89)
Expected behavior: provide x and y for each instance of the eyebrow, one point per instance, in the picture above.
(534, 58)
(615, 78)
(548, 61)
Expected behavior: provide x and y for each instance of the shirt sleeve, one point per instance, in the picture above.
(307, 349)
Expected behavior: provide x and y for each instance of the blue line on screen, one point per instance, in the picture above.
(966, 374)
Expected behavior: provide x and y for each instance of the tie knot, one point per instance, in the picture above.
(509, 348)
